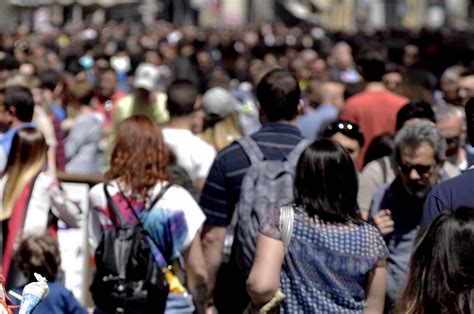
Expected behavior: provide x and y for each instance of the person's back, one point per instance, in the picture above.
(279, 96)
(375, 109)
(337, 258)
(375, 112)
(333, 256)
(81, 146)
(139, 189)
(40, 254)
(192, 153)
(144, 99)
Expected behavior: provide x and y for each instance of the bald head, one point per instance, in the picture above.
(326, 92)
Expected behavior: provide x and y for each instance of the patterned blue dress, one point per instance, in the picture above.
(327, 265)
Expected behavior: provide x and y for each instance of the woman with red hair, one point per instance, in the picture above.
(137, 174)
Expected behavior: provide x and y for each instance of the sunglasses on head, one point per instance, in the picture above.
(348, 129)
(420, 169)
(344, 126)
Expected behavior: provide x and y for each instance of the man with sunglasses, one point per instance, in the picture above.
(397, 208)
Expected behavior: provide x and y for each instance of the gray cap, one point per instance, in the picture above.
(218, 102)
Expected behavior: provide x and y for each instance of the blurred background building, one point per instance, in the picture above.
(335, 15)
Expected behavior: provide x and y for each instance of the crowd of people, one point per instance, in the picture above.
(259, 169)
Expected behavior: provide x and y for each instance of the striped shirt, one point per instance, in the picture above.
(222, 189)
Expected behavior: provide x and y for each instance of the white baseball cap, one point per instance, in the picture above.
(146, 76)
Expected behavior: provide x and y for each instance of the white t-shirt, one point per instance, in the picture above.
(176, 210)
(192, 153)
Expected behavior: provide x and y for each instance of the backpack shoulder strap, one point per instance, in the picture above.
(287, 215)
(153, 202)
(113, 205)
(251, 149)
(296, 152)
(382, 164)
(164, 188)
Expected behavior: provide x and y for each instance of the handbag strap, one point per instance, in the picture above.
(287, 215)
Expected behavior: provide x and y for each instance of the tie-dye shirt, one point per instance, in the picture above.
(173, 221)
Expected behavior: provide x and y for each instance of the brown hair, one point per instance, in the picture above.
(26, 159)
(140, 157)
(39, 254)
(441, 277)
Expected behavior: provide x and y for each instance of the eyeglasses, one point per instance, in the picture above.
(420, 169)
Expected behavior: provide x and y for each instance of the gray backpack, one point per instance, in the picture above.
(266, 184)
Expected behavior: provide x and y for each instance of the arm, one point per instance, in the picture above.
(375, 291)
(264, 278)
(51, 157)
(196, 273)
(213, 244)
(200, 184)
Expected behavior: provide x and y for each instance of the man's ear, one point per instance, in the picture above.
(198, 103)
(11, 111)
(300, 107)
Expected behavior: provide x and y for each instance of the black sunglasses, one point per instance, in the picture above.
(420, 169)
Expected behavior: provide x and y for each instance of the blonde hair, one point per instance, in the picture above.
(26, 160)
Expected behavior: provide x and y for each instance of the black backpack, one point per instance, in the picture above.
(127, 278)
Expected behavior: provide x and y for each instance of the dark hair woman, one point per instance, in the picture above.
(336, 262)
(441, 278)
(138, 173)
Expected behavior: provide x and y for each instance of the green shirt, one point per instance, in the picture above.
(130, 106)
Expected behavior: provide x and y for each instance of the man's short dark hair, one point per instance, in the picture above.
(279, 94)
(181, 99)
(373, 69)
(49, 79)
(21, 99)
(414, 110)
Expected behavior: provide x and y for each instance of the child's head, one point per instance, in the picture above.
(38, 254)
(441, 276)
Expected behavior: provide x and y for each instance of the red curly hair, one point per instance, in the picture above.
(140, 157)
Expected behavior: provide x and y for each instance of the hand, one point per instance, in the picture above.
(211, 310)
(384, 222)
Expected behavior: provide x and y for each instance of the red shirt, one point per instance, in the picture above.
(375, 112)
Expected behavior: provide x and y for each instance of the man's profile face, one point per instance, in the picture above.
(466, 88)
(452, 130)
(419, 169)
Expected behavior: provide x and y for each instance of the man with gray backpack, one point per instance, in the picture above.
(247, 179)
